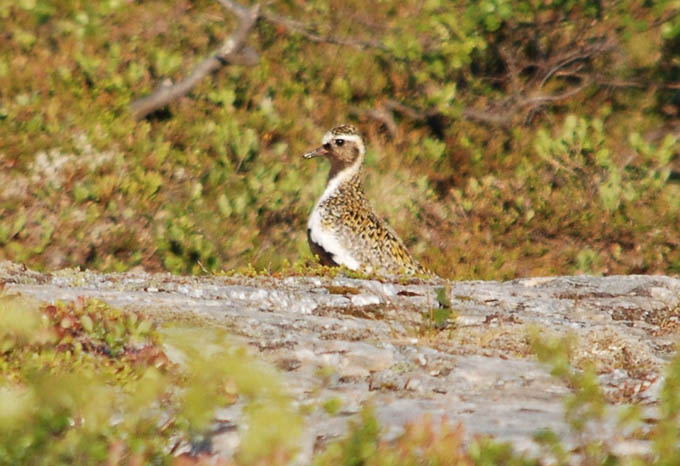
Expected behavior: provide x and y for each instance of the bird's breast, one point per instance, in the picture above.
(322, 235)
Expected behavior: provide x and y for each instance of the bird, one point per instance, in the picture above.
(343, 229)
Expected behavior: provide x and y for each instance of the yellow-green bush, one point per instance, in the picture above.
(84, 383)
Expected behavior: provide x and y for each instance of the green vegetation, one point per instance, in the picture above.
(506, 138)
(439, 316)
(84, 383)
(422, 443)
(586, 409)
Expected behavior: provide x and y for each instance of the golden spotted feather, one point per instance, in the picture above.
(371, 240)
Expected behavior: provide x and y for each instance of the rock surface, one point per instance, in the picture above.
(380, 346)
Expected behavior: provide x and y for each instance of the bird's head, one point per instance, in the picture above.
(342, 146)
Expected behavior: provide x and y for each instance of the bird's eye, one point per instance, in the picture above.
(339, 142)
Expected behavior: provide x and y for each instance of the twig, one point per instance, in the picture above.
(306, 31)
(561, 65)
(410, 112)
(233, 50)
(490, 117)
(482, 116)
(237, 9)
(541, 99)
(584, 54)
(384, 115)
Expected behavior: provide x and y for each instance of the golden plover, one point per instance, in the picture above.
(342, 228)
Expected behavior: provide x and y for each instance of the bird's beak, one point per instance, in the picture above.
(318, 152)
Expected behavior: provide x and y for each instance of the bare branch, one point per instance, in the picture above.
(306, 31)
(237, 9)
(541, 99)
(410, 112)
(562, 64)
(490, 117)
(383, 114)
(233, 51)
(634, 84)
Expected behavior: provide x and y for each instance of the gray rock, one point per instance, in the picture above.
(378, 340)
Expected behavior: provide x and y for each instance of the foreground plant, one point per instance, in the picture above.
(85, 383)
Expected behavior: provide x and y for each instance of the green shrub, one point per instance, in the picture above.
(89, 384)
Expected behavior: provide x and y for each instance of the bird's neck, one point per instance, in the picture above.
(346, 177)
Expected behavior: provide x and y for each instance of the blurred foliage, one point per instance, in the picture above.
(423, 443)
(597, 427)
(589, 415)
(585, 407)
(84, 383)
(667, 430)
(522, 137)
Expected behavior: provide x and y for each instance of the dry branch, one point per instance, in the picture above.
(233, 50)
(492, 115)
(306, 31)
(525, 96)
(383, 115)
(237, 9)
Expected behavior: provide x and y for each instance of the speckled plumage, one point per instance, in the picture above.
(342, 228)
